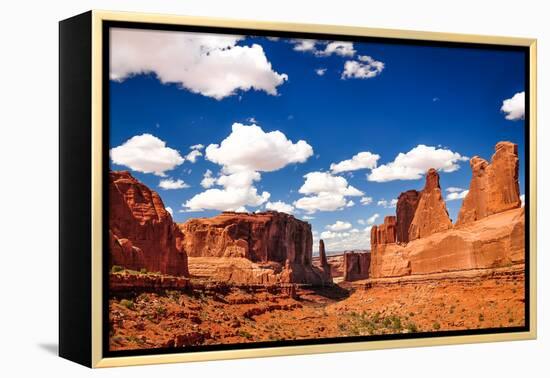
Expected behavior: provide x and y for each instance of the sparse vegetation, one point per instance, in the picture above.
(129, 304)
(116, 269)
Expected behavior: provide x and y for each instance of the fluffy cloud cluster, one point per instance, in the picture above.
(246, 152)
(280, 206)
(339, 226)
(147, 154)
(454, 193)
(324, 48)
(514, 107)
(363, 68)
(250, 148)
(363, 160)
(320, 71)
(522, 198)
(208, 180)
(210, 64)
(387, 204)
(414, 164)
(373, 219)
(325, 192)
(170, 184)
(354, 239)
(195, 153)
(366, 200)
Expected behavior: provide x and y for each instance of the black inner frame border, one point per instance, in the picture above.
(106, 25)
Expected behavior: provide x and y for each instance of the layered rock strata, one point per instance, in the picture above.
(142, 234)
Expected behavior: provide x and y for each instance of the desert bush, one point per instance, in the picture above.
(116, 268)
(129, 304)
(436, 326)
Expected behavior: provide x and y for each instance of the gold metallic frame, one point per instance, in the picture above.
(97, 227)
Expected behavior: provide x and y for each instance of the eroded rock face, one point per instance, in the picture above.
(431, 214)
(494, 187)
(407, 203)
(142, 233)
(260, 238)
(495, 241)
(356, 266)
(384, 233)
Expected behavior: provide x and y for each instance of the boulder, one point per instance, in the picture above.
(494, 187)
(431, 214)
(142, 233)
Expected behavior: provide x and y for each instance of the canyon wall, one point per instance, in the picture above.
(494, 187)
(261, 238)
(142, 234)
(356, 266)
(489, 233)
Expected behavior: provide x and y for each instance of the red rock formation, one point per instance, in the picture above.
(324, 265)
(494, 187)
(384, 233)
(260, 237)
(431, 214)
(495, 241)
(407, 203)
(356, 266)
(142, 233)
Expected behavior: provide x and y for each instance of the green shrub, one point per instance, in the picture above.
(117, 268)
(143, 271)
(128, 304)
(436, 326)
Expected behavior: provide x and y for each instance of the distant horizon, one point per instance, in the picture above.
(329, 131)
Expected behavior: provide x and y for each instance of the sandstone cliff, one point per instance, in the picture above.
(407, 203)
(495, 241)
(431, 214)
(142, 233)
(384, 233)
(356, 266)
(494, 187)
(490, 230)
(268, 237)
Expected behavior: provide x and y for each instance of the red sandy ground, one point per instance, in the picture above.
(453, 301)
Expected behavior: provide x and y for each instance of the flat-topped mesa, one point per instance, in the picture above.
(407, 203)
(431, 214)
(494, 187)
(383, 233)
(261, 238)
(142, 234)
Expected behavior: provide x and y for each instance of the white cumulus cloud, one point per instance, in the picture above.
(320, 71)
(193, 155)
(325, 192)
(170, 211)
(363, 68)
(251, 148)
(147, 154)
(456, 195)
(280, 206)
(522, 198)
(363, 160)
(246, 152)
(373, 219)
(339, 226)
(210, 64)
(207, 180)
(414, 164)
(514, 107)
(387, 204)
(170, 184)
(366, 200)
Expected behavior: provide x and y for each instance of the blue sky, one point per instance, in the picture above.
(340, 99)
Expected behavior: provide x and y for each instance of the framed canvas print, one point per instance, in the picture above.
(236, 189)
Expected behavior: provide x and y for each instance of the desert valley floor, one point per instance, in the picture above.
(218, 313)
(252, 277)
